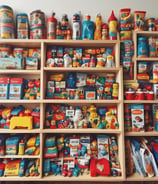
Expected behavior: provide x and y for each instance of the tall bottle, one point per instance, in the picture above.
(88, 28)
(112, 27)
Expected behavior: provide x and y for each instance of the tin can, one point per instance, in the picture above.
(6, 22)
(51, 27)
(22, 26)
(152, 46)
(18, 52)
(139, 20)
(151, 24)
(37, 25)
(5, 51)
(142, 50)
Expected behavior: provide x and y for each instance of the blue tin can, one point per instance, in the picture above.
(22, 26)
(142, 50)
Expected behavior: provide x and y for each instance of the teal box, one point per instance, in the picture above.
(11, 63)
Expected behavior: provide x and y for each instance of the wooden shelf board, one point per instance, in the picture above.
(77, 43)
(132, 134)
(86, 130)
(22, 42)
(147, 59)
(20, 156)
(137, 177)
(129, 81)
(17, 178)
(32, 72)
(8, 131)
(83, 178)
(147, 33)
(140, 101)
(82, 101)
(20, 101)
(80, 69)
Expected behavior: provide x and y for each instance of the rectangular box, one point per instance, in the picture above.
(31, 63)
(137, 113)
(4, 87)
(11, 63)
(16, 87)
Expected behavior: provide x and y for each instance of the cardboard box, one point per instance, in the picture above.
(4, 87)
(137, 114)
(11, 63)
(16, 88)
(31, 63)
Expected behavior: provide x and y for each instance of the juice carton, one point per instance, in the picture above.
(4, 87)
(137, 113)
(16, 88)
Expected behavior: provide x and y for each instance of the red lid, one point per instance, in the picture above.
(16, 80)
(112, 17)
(125, 9)
(4, 80)
(139, 11)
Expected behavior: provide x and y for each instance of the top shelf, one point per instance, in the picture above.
(76, 43)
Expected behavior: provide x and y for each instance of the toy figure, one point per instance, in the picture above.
(112, 27)
(71, 80)
(67, 61)
(93, 116)
(76, 27)
(77, 117)
(59, 34)
(104, 32)
(65, 27)
(98, 25)
(88, 29)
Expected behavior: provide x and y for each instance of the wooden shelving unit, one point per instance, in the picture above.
(42, 102)
(136, 34)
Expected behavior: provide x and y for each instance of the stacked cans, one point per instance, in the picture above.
(22, 26)
(6, 22)
(37, 25)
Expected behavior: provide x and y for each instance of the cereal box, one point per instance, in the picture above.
(137, 113)
(4, 87)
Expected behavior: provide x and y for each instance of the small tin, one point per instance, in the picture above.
(18, 52)
(152, 46)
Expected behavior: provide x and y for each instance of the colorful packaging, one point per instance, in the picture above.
(155, 91)
(31, 63)
(4, 87)
(12, 168)
(11, 63)
(74, 145)
(16, 88)
(103, 146)
(137, 114)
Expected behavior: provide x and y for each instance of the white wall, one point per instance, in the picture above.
(91, 7)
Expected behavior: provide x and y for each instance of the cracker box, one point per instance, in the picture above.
(137, 114)
(4, 87)
(74, 146)
(16, 88)
(11, 63)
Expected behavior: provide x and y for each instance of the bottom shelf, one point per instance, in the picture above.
(61, 178)
(137, 177)
(83, 178)
(24, 178)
